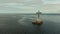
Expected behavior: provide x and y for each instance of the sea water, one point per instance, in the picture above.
(22, 24)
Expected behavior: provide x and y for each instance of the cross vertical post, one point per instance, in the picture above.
(38, 14)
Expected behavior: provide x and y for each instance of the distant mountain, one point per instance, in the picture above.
(33, 13)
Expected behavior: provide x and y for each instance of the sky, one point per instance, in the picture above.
(51, 6)
(29, 6)
(51, 1)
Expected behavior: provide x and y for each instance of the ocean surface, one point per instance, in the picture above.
(22, 24)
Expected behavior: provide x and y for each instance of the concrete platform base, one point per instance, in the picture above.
(38, 22)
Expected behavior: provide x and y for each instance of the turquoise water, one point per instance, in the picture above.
(22, 24)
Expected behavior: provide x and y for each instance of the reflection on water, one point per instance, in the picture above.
(22, 24)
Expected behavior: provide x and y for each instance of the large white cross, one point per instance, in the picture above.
(38, 13)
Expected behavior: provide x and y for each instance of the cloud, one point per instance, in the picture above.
(16, 8)
(28, 6)
(51, 1)
(19, 5)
